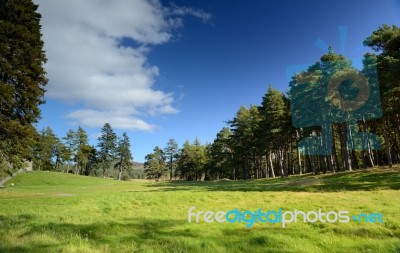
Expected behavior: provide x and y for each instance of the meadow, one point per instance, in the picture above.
(54, 212)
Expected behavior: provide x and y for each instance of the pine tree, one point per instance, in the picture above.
(83, 151)
(386, 42)
(275, 124)
(22, 78)
(171, 152)
(123, 155)
(221, 155)
(61, 154)
(107, 147)
(199, 160)
(185, 162)
(241, 141)
(332, 65)
(70, 148)
(312, 100)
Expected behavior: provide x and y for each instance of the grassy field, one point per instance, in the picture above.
(53, 212)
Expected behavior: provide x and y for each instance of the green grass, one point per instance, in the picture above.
(53, 212)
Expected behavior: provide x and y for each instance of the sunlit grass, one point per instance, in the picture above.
(53, 212)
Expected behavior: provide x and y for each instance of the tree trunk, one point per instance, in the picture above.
(298, 153)
(345, 146)
(280, 162)
(104, 172)
(333, 158)
(364, 159)
(309, 165)
(354, 159)
(271, 165)
(290, 157)
(366, 153)
(331, 163)
(170, 164)
(371, 156)
(299, 161)
(387, 144)
(245, 169)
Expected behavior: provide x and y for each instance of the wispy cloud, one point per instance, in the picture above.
(88, 64)
(183, 11)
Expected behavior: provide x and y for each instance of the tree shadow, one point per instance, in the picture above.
(360, 180)
(142, 234)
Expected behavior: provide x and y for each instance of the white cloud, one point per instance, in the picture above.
(88, 64)
(119, 119)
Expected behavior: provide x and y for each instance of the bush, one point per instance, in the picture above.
(126, 178)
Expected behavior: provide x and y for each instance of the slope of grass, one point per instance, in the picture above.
(53, 212)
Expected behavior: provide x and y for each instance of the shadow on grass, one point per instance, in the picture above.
(160, 235)
(9, 223)
(368, 180)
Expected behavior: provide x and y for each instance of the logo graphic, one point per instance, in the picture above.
(334, 91)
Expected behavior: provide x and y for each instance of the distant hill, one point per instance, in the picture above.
(137, 165)
(137, 171)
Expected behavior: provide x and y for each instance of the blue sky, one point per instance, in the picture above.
(161, 70)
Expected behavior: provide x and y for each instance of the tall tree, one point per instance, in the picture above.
(22, 78)
(123, 155)
(192, 160)
(335, 65)
(70, 147)
(275, 124)
(199, 159)
(107, 147)
(171, 153)
(83, 151)
(61, 154)
(385, 41)
(184, 163)
(221, 156)
(317, 104)
(242, 141)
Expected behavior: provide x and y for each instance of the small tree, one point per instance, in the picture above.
(155, 164)
(45, 150)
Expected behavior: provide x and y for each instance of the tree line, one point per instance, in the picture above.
(73, 154)
(261, 141)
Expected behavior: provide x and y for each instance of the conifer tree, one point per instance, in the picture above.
(171, 153)
(123, 155)
(155, 164)
(107, 147)
(22, 78)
